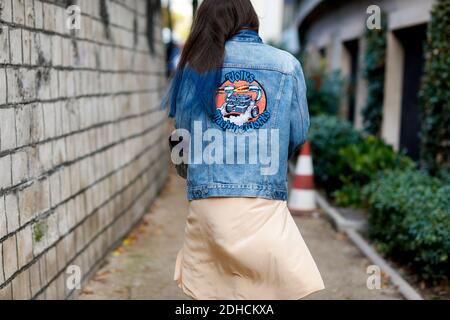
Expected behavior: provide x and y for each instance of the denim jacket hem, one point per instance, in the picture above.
(260, 109)
(236, 190)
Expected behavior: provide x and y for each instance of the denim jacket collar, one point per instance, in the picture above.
(247, 35)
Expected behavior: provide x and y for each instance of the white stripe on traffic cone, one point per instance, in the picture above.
(303, 196)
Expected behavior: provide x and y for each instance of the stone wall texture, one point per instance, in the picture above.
(82, 138)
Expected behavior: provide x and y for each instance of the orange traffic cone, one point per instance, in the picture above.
(302, 199)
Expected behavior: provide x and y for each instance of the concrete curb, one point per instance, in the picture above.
(403, 287)
(338, 220)
(348, 228)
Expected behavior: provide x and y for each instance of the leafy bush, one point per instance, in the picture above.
(344, 160)
(434, 94)
(328, 135)
(323, 90)
(409, 219)
(363, 161)
(374, 62)
(348, 196)
(409, 211)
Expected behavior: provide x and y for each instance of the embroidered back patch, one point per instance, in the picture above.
(241, 103)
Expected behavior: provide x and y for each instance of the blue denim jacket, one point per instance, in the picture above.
(262, 95)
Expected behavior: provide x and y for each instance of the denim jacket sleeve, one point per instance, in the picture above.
(182, 116)
(299, 122)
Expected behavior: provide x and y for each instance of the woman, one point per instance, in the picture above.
(240, 107)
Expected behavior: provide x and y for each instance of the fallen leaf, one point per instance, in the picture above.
(101, 276)
(88, 291)
(118, 252)
(341, 236)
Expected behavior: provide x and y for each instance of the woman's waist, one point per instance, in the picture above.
(261, 190)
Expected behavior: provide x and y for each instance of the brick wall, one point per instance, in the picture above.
(82, 138)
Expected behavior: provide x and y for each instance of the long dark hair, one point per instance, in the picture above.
(216, 22)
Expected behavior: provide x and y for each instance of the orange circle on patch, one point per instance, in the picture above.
(242, 87)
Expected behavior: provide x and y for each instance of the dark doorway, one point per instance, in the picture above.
(323, 53)
(352, 48)
(412, 40)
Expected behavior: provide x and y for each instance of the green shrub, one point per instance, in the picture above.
(362, 162)
(328, 135)
(348, 196)
(344, 161)
(323, 91)
(374, 62)
(409, 219)
(435, 94)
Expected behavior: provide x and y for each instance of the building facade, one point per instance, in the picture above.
(270, 13)
(335, 30)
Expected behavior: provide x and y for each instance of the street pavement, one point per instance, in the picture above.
(142, 267)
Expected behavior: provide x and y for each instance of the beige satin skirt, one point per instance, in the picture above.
(244, 248)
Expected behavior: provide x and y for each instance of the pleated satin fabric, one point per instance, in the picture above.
(244, 249)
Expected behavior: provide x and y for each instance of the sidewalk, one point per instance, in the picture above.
(142, 268)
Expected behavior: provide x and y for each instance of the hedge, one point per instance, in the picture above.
(323, 90)
(362, 162)
(409, 211)
(374, 69)
(344, 160)
(328, 136)
(409, 219)
(435, 93)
